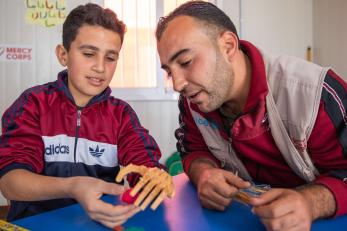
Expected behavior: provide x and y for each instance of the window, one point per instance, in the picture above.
(138, 75)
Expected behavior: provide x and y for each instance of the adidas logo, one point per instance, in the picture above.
(96, 152)
(57, 149)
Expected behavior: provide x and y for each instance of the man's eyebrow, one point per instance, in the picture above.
(174, 56)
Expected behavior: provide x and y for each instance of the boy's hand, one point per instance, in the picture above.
(88, 191)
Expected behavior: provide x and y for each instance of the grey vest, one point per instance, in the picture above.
(292, 105)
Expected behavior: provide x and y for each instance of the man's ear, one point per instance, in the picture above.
(228, 44)
(61, 54)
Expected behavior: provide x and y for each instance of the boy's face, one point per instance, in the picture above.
(91, 61)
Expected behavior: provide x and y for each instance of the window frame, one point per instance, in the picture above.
(158, 93)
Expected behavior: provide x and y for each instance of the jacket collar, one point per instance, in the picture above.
(61, 84)
(258, 88)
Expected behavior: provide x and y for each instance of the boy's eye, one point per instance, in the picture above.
(88, 54)
(111, 59)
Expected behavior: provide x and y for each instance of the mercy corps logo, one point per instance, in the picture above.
(57, 149)
(16, 53)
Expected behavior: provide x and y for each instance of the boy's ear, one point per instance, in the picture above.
(61, 54)
(228, 44)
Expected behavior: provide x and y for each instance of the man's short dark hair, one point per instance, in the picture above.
(90, 14)
(205, 12)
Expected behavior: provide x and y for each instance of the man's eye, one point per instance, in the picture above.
(184, 64)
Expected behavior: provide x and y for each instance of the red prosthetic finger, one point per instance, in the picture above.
(127, 198)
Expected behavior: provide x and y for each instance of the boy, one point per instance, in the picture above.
(63, 142)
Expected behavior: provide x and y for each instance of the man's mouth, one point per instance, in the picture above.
(193, 97)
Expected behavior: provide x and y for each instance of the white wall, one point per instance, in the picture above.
(278, 26)
(330, 34)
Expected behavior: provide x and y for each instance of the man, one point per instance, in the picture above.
(63, 142)
(244, 113)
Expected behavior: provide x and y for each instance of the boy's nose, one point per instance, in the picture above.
(99, 66)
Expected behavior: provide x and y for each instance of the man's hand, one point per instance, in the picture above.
(283, 209)
(88, 191)
(216, 187)
(287, 209)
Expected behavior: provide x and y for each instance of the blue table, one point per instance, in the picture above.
(183, 213)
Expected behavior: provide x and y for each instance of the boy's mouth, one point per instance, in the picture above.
(95, 81)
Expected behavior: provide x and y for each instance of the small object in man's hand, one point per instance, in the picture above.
(244, 195)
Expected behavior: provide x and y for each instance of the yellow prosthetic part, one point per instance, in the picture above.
(154, 185)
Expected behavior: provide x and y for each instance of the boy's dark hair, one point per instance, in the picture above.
(90, 14)
(205, 12)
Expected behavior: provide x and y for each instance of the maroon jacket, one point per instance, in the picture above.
(252, 140)
(46, 133)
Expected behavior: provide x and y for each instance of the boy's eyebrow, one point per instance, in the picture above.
(94, 48)
(88, 47)
(174, 56)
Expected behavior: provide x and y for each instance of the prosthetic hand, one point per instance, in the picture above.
(155, 184)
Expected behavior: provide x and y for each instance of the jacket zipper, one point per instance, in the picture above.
(79, 111)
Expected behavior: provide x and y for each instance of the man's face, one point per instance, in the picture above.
(91, 62)
(195, 63)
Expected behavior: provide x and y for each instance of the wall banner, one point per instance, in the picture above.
(48, 13)
(16, 53)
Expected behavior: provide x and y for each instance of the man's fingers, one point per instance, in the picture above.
(211, 204)
(226, 190)
(216, 198)
(236, 181)
(266, 197)
(271, 205)
(286, 222)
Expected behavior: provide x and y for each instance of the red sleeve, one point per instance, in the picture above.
(190, 142)
(328, 141)
(135, 144)
(21, 144)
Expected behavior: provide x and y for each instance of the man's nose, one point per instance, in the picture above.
(179, 82)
